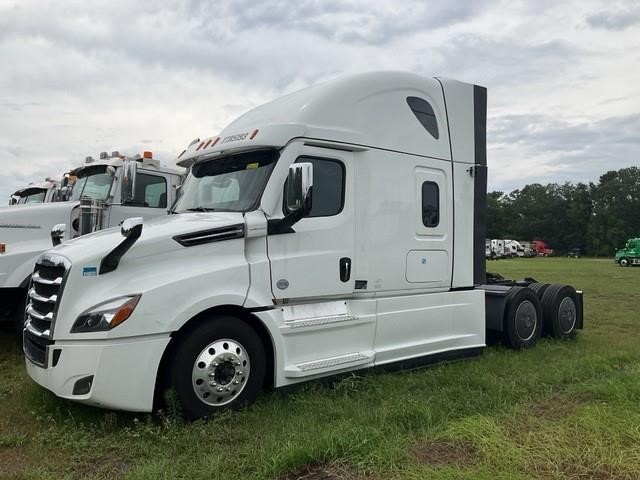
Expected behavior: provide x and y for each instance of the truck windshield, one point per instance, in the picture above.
(94, 182)
(232, 183)
(32, 196)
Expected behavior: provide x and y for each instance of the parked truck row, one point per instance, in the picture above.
(338, 228)
(98, 194)
(505, 248)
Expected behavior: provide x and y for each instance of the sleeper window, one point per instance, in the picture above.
(430, 204)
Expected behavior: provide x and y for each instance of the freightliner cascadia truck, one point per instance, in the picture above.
(334, 229)
(106, 191)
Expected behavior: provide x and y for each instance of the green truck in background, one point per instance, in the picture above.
(630, 254)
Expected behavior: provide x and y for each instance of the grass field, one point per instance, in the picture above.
(566, 410)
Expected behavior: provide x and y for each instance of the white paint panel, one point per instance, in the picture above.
(428, 266)
(463, 191)
(415, 325)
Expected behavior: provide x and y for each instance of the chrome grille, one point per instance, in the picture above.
(46, 286)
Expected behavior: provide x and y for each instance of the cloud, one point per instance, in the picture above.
(558, 151)
(615, 17)
(128, 76)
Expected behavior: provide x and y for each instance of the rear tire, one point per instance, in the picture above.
(560, 309)
(522, 318)
(219, 365)
(539, 288)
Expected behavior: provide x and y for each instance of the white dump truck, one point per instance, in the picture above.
(36, 192)
(106, 191)
(337, 228)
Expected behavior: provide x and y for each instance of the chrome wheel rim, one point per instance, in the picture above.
(567, 315)
(623, 262)
(220, 372)
(526, 319)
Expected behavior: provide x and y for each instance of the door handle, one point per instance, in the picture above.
(345, 269)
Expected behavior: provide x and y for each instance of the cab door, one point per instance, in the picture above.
(316, 259)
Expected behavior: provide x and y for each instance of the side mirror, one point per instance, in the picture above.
(131, 227)
(57, 234)
(128, 187)
(299, 187)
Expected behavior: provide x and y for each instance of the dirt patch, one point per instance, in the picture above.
(13, 460)
(323, 472)
(555, 407)
(446, 453)
(109, 464)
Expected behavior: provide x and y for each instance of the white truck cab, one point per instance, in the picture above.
(106, 191)
(36, 192)
(317, 234)
(513, 248)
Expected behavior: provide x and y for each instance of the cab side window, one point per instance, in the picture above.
(430, 204)
(328, 186)
(150, 191)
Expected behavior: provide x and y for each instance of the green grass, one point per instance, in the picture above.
(564, 410)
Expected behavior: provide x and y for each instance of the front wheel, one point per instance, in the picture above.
(18, 316)
(218, 365)
(624, 262)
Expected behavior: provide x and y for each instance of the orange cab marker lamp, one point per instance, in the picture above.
(215, 141)
(253, 134)
(147, 154)
(181, 153)
(3, 247)
(124, 312)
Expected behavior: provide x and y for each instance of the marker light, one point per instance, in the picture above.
(104, 155)
(3, 247)
(147, 154)
(253, 134)
(106, 315)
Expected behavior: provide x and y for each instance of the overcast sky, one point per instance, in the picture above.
(80, 77)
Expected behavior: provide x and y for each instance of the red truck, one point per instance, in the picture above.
(541, 248)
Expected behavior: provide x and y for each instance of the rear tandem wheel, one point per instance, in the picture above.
(560, 309)
(522, 318)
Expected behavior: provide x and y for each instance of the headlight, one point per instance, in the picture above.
(106, 315)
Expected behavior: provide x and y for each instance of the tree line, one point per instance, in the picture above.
(597, 217)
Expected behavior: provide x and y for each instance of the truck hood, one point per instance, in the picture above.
(20, 223)
(157, 236)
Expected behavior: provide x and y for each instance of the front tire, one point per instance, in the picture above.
(18, 317)
(219, 365)
(624, 262)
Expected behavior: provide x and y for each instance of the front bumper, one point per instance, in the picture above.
(123, 371)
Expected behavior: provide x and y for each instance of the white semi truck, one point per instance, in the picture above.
(334, 229)
(36, 192)
(106, 191)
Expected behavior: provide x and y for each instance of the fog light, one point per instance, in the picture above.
(83, 386)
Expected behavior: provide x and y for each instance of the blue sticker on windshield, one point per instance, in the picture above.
(90, 271)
